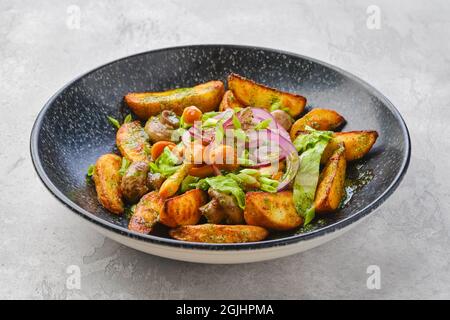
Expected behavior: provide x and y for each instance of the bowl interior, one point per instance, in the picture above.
(73, 131)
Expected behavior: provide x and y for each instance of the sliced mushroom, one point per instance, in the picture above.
(233, 213)
(169, 118)
(283, 119)
(134, 181)
(246, 118)
(157, 131)
(213, 212)
(154, 181)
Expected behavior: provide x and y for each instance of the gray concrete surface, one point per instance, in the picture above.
(408, 59)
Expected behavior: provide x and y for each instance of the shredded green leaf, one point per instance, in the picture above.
(311, 146)
(166, 164)
(268, 188)
(275, 106)
(225, 184)
(208, 115)
(202, 185)
(252, 172)
(188, 183)
(306, 141)
(268, 181)
(211, 122)
(246, 180)
(240, 135)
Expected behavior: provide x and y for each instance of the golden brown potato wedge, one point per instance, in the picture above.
(274, 211)
(319, 119)
(146, 213)
(183, 209)
(229, 102)
(250, 93)
(107, 182)
(330, 190)
(357, 144)
(216, 233)
(132, 141)
(206, 97)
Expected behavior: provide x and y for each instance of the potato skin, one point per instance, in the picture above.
(330, 190)
(107, 182)
(229, 101)
(319, 119)
(250, 93)
(275, 211)
(206, 97)
(183, 209)
(216, 233)
(357, 144)
(132, 141)
(147, 213)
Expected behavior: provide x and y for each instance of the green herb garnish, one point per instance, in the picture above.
(128, 118)
(209, 123)
(263, 124)
(236, 122)
(91, 170)
(114, 122)
(124, 166)
(130, 211)
(240, 135)
(220, 133)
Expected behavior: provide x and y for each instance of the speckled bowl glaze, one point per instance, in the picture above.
(72, 131)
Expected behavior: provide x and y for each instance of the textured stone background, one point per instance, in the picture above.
(407, 59)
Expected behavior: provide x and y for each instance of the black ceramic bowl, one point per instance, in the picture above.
(72, 131)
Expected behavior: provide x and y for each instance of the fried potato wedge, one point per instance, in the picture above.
(275, 211)
(229, 101)
(330, 190)
(357, 144)
(132, 141)
(319, 119)
(250, 93)
(206, 97)
(147, 213)
(107, 182)
(216, 233)
(183, 209)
